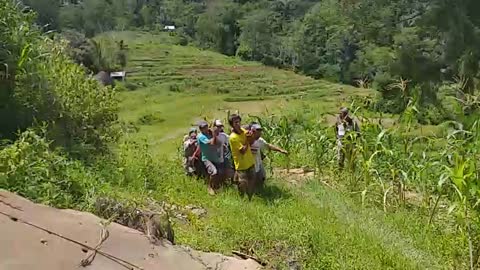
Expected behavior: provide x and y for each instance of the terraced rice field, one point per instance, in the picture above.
(177, 85)
(155, 61)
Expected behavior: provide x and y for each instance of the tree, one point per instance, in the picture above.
(47, 12)
(218, 28)
(97, 17)
(71, 17)
(322, 40)
(256, 38)
(42, 84)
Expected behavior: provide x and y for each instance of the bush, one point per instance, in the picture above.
(244, 52)
(222, 90)
(430, 114)
(28, 167)
(174, 88)
(120, 87)
(131, 86)
(151, 118)
(183, 39)
(44, 85)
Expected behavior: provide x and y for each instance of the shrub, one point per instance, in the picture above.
(174, 88)
(131, 86)
(150, 119)
(44, 85)
(183, 38)
(29, 168)
(431, 115)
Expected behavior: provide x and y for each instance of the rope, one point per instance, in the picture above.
(103, 237)
(117, 260)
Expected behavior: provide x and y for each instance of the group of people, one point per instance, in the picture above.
(238, 157)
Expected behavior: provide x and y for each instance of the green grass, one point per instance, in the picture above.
(182, 84)
(312, 224)
(319, 227)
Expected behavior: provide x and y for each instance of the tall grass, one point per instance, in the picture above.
(395, 170)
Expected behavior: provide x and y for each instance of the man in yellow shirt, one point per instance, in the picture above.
(242, 157)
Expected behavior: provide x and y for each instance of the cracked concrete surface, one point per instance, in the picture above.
(39, 237)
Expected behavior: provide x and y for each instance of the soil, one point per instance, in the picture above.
(295, 176)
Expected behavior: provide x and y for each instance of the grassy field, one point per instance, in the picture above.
(303, 226)
(177, 85)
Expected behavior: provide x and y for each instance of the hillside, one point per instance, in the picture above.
(175, 85)
(380, 198)
(298, 220)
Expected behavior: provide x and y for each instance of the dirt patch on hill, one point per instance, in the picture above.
(295, 176)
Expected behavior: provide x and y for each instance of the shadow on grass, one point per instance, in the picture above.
(270, 193)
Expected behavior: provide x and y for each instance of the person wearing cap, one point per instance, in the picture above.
(207, 141)
(345, 128)
(242, 157)
(189, 147)
(258, 146)
(224, 150)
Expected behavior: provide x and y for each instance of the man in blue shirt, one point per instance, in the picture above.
(208, 143)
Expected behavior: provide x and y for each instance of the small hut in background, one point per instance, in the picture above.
(118, 75)
(108, 78)
(169, 28)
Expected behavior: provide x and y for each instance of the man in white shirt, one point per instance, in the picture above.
(345, 128)
(224, 151)
(259, 144)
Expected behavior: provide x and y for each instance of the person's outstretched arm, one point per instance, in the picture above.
(273, 147)
(277, 149)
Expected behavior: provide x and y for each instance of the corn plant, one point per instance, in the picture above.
(320, 147)
(463, 178)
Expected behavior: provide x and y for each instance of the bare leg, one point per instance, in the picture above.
(251, 183)
(211, 184)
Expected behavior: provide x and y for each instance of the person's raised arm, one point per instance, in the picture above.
(214, 140)
(205, 140)
(202, 139)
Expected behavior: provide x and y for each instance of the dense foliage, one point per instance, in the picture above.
(393, 168)
(371, 42)
(96, 55)
(40, 84)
